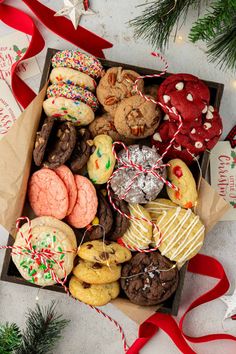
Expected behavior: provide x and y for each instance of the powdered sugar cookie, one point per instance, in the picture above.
(44, 237)
(72, 77)
(73, 92)
(85, 63)
(47, 194)
(63, 108)
(67, 177)
(85, 208)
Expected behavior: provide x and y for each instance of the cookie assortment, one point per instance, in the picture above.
(101, 207)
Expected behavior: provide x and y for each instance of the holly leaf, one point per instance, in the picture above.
(17, 58)
(233, 154)
(23, 50)
(232, 165)
(15, 48)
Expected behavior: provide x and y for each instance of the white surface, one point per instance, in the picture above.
(87, 332)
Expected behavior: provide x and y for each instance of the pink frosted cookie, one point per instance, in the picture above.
(86, 204)
(67, 177)
(73, 92)
(47, 194)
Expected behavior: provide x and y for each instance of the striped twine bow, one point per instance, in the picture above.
(42, 256)
(140, 169)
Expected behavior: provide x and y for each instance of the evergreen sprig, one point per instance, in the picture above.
(10, 338)
(217, 28)
(42, 331)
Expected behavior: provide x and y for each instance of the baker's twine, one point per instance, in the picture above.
(139, 168)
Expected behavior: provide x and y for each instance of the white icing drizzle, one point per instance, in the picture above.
(187, 232)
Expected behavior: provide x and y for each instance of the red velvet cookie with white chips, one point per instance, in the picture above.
(193, 139)
(187, 94)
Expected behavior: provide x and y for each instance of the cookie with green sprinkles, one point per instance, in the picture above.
(32, 263)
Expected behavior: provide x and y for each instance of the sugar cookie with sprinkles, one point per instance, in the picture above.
(72, 77)
(73, 92)
(44, 238)
(139, 233)
(181, 233)
(66, 109)
(79, 61)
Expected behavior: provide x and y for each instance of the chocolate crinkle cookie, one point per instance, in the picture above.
(146, 186)
(158, 281)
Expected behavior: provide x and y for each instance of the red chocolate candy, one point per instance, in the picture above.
(187, 94)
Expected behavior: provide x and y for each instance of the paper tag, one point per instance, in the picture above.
(223, 175)
(9, 109)
(12, 48)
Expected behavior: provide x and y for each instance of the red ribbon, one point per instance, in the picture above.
(231, 137)
(20, 21)
(203, 265)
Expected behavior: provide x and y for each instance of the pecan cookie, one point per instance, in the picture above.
(81, 152)
(136, 117)
(60, 146)
(116, 85)
(105, 125)
(105, 218)
(153, 286)
(42, 140)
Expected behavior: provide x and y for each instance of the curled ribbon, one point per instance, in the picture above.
(140, 169)
(42, 256)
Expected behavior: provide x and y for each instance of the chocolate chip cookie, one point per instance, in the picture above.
(62, 145)
(41, 141)
(116, 85)
(121, 223)
(136, 117)
(81, 152)
(105, 125)
(105, 218)
(157, 283)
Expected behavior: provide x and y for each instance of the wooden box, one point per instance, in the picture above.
(10, 272)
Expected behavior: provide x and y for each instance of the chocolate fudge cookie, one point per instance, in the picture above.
(42, 140)
(136, 117)
(121, 223)
(105, 125)
(105, 218)
(116, 85)
(145, 187)
(62, 146)
(152, 287)
(81, 152)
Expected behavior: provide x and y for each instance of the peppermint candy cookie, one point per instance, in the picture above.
(139, 233)
(187, 94)
(115, 85)
(73, 92)
(72, 77)
(77, 60)
(96, 273)
(145, 187)
(43, 238)
(181, 234)
(63, 108)
(93, 294)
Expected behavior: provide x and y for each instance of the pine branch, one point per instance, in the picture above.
(10, 338)
(43, 329)
(159, 18)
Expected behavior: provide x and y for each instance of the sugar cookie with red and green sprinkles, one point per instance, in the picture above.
(33, 268)
(102, 162)
(72, 77)
(65, 109)
(73, 92)
(77, 60)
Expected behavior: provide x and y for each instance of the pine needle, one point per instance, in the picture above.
(10, 338)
